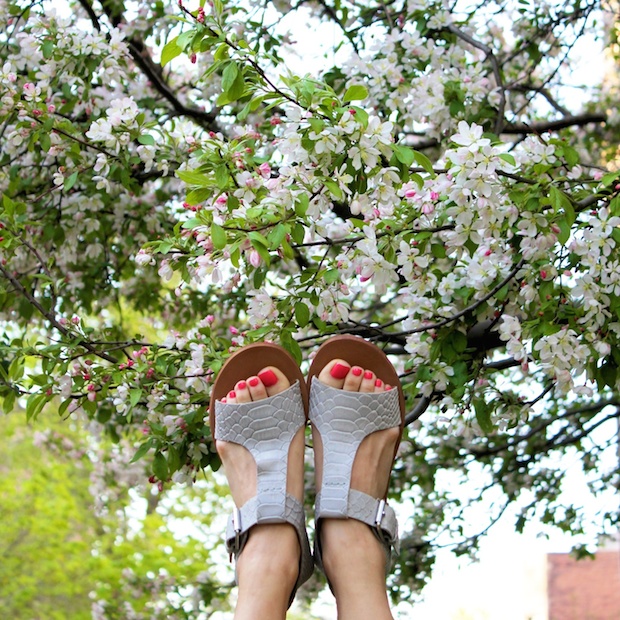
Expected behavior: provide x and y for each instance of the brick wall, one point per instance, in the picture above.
(584, 589)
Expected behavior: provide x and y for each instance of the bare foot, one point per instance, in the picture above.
(373, 462)
(353, 558)
(238, 463)
(265, 578)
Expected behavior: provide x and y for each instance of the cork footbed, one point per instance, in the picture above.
(249, 361)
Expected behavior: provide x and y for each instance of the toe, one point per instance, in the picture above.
(274, 380)
(256, 388)
(231, 397)
(242, 392)
(379, 386)
(353, 379)
(335, 373)
(368, 381)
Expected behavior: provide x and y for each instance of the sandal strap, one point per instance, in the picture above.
(266, 429)
(376, 513)
(255, 512)
(343, 420)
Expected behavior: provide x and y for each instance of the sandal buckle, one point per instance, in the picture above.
(380, 513)
(236, 522)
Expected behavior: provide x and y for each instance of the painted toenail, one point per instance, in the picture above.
(223, 400)
(378, 383)
(254, 382)
(232, 394)
(357, 371)
(368, 375)
(268, 377)
(339, 371)
(388, 388)
(241, 385)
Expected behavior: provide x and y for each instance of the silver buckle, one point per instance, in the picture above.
(379, 519)
(380, 513)
(236, 521)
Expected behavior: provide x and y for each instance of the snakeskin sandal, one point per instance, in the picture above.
(343, 419)
(266, 428)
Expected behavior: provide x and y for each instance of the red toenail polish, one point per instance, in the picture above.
(223, 400)
(378, 383)
(241, 385)
(232, 394)
(253, 382)
(357, 371)
(268, 377)
(388, 388)
(339, 371)
(368, 375)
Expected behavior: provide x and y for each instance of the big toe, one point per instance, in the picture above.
(335, 373)
(273, 380)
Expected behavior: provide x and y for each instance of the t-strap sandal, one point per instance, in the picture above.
(343, 419)
(266, 428)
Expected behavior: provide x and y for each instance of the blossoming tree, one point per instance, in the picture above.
(432, 184)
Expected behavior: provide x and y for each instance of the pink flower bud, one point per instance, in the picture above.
(192, 59)
(410, 193)
(434, 195)
(255, 259)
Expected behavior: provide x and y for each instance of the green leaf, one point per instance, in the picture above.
(194, 178)
(301, 205)
(291, 345)
(134, 396)
(276, 236)
(357, 92)
(404, 154)
(34, 405)
(160, 466)
(424, 162)
(334, 189)
(47, 49)
(229, 75)
(70, 181)
(171, 50)
(361, 116)
(222, 176)
(302, 314)
(483, 415)
(8, 402)
(142, 450)
(45, 142)
(221, 53)
(258, 239)
(218, 236)
(196, 196)
(146, 139)
(509, 158)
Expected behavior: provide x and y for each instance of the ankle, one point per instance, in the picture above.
(351, 554)
(261, 567)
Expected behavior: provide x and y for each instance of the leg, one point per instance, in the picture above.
(353, 558)
(266, 579)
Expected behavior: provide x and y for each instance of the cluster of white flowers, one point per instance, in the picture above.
(562, 356)
(114, 129)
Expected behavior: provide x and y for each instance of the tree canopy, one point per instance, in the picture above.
(442, 180)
